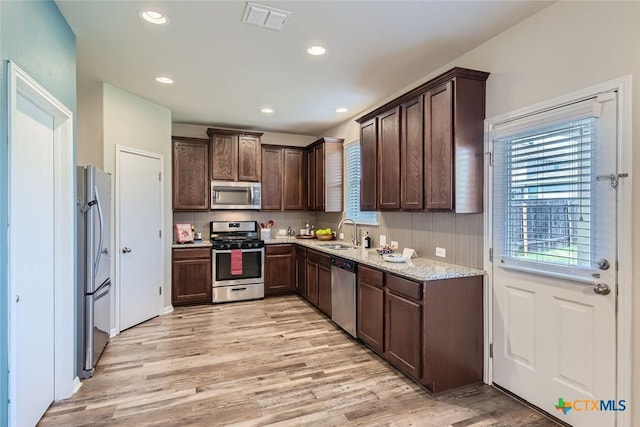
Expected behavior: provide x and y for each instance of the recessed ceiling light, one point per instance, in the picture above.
(316, 50)
(164, 80)
(153, 17)
(341, 110)
(267, 110)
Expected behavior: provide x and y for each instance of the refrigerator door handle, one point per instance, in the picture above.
(88, 332)
(102, 290)
(100, 242)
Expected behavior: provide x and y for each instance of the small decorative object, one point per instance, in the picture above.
(394, 258)
(183, 233)
(384, 250)
(324, 234)
(366, 241)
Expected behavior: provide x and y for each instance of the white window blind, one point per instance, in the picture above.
(352, 187)
(547, 173)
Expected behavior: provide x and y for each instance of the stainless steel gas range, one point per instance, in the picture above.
(237, 261)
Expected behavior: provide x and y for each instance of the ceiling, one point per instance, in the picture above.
(226, 71)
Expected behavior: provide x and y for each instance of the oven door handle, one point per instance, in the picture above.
(228, 251)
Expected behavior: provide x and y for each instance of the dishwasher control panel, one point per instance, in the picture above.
(344, 264)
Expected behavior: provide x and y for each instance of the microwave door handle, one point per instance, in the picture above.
(251, 191)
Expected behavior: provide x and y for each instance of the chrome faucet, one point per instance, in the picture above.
(354, 236)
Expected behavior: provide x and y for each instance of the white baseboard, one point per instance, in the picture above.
(113, 333)
(76, 385)
(168, 309)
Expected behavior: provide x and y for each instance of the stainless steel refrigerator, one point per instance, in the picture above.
(94, 266)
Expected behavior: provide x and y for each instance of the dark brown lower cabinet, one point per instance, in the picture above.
(279, 269)
(453, 348)
(191, 276)
(403, 333)
(301, 271)
(311, 271)
(324, 289)
(431, 330)
(318, 280)
(371, 308)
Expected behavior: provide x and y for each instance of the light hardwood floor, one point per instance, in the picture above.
(270, 362)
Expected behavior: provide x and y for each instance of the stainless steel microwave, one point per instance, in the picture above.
(235, 195)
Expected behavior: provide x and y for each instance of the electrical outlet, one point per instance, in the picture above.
(341, 236)
(441, 252)
(383, 240)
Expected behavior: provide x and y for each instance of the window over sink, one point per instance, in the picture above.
(352, 186)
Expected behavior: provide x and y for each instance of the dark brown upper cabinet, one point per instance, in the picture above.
(249, 158)
(453, 143)
(310, 162)
(293, 184)
(272, 178)
(440, 124)
(368, 162)
(389, 159)
(283, 178)
(324, 175)
(190, 180)
(235, 155)
(412, 151)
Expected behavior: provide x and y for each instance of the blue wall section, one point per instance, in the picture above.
(35, 36)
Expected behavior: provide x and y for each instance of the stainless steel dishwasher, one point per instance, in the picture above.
(343, 294)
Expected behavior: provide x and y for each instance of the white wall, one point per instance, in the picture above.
(566, 47)
(89, 120)
(134, 122)
(272, 138)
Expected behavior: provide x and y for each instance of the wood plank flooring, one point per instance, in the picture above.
(271, 362)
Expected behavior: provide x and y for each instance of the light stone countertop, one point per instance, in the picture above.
(422, 269)
(196, 244)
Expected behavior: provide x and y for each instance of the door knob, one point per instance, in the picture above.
(601, 289)
(603, 264)
(126, 250)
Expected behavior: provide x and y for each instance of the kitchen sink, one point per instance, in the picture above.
(336, 246)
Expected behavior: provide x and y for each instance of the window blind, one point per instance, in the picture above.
(352, 186)
(547, 175)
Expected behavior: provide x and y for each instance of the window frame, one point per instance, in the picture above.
(357, 216)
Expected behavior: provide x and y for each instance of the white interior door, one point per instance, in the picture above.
(554, 268)
(32, 265)
(139, 218)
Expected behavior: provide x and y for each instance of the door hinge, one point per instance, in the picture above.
(491, 351)
(490, 254)
(160, 234)
(160, 176)
(160, 290)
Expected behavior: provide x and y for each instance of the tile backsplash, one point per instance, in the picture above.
(282, 220)
(461, 235)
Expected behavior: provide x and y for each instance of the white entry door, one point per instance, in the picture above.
(34, 315)
(139, 218)
(40, 259)
(554, 209)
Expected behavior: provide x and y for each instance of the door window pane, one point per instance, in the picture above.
(548, 176)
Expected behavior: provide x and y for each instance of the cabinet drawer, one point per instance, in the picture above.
(279, 249)
(370, 276)
(404, 287)
(191, 253)
(317, 257)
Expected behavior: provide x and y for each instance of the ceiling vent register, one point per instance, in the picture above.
(265, 16)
